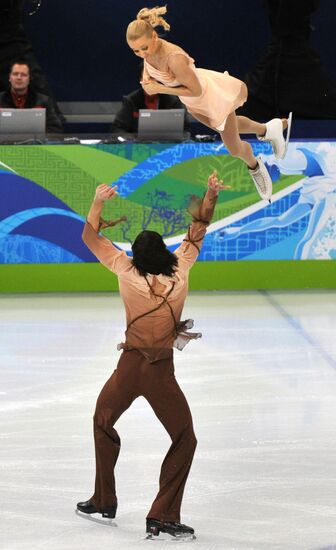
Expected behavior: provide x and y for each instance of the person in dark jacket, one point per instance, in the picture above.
(290, 75)
(22, 95)
(127, 117)
(14, 44)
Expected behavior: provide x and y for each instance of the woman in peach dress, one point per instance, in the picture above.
(210, 96)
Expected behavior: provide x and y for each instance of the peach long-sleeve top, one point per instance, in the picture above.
(154, 303)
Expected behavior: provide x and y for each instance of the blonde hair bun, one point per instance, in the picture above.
(153, 16)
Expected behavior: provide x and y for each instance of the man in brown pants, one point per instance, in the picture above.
(153, 286)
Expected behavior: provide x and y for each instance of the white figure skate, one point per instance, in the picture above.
(262, 180)
(275, 136)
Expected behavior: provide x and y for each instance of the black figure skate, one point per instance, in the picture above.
(88, 508)
(182, 532)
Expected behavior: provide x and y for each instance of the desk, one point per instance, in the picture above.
(46, 191)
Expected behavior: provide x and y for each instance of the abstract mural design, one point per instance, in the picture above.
(46, 191)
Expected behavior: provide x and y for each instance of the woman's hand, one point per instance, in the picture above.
(105, 192)
(215, 184)
(151, 86)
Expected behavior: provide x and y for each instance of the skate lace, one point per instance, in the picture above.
(259, 181)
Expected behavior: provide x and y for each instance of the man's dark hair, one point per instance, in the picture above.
(20, 61)
(150, 255)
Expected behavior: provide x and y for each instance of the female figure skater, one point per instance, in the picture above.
(210, 96)
(153, 286)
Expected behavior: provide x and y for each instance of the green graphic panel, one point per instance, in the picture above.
(71, 173)
(203, 276)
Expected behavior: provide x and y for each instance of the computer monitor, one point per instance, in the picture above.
(161, 124)
(22, 121)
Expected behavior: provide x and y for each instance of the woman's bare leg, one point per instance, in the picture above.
(231, 139)
(243, 150)
(248, 126)
(236, 147)
(245, 124)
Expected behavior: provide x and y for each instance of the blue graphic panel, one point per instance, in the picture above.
(37, 227)
(30, 233)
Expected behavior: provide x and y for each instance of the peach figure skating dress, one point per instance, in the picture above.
(221, 93)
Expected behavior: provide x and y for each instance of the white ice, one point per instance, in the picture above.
(261, 385)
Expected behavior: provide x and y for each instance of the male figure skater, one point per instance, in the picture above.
(153, 286)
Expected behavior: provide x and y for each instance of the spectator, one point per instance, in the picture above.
(126, 119)
(22, 95)
(14, 44)
(290, 75)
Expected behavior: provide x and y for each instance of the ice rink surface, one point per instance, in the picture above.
(261, 385)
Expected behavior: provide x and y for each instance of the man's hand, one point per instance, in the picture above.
(105, 192)
(215, 184)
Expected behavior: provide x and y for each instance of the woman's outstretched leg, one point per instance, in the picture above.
(237, 147)
(272, 131)
(248, 126)
(243, 150)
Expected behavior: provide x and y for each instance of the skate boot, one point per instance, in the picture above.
(275, 135)
(262, 180)
(182, 532)
(88, 507)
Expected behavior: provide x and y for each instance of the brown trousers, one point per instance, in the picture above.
(135, 376)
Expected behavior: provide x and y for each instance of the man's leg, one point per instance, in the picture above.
(116, 396)
(170, 406)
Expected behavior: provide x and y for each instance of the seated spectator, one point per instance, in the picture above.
(127, 117)
(21, 95)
